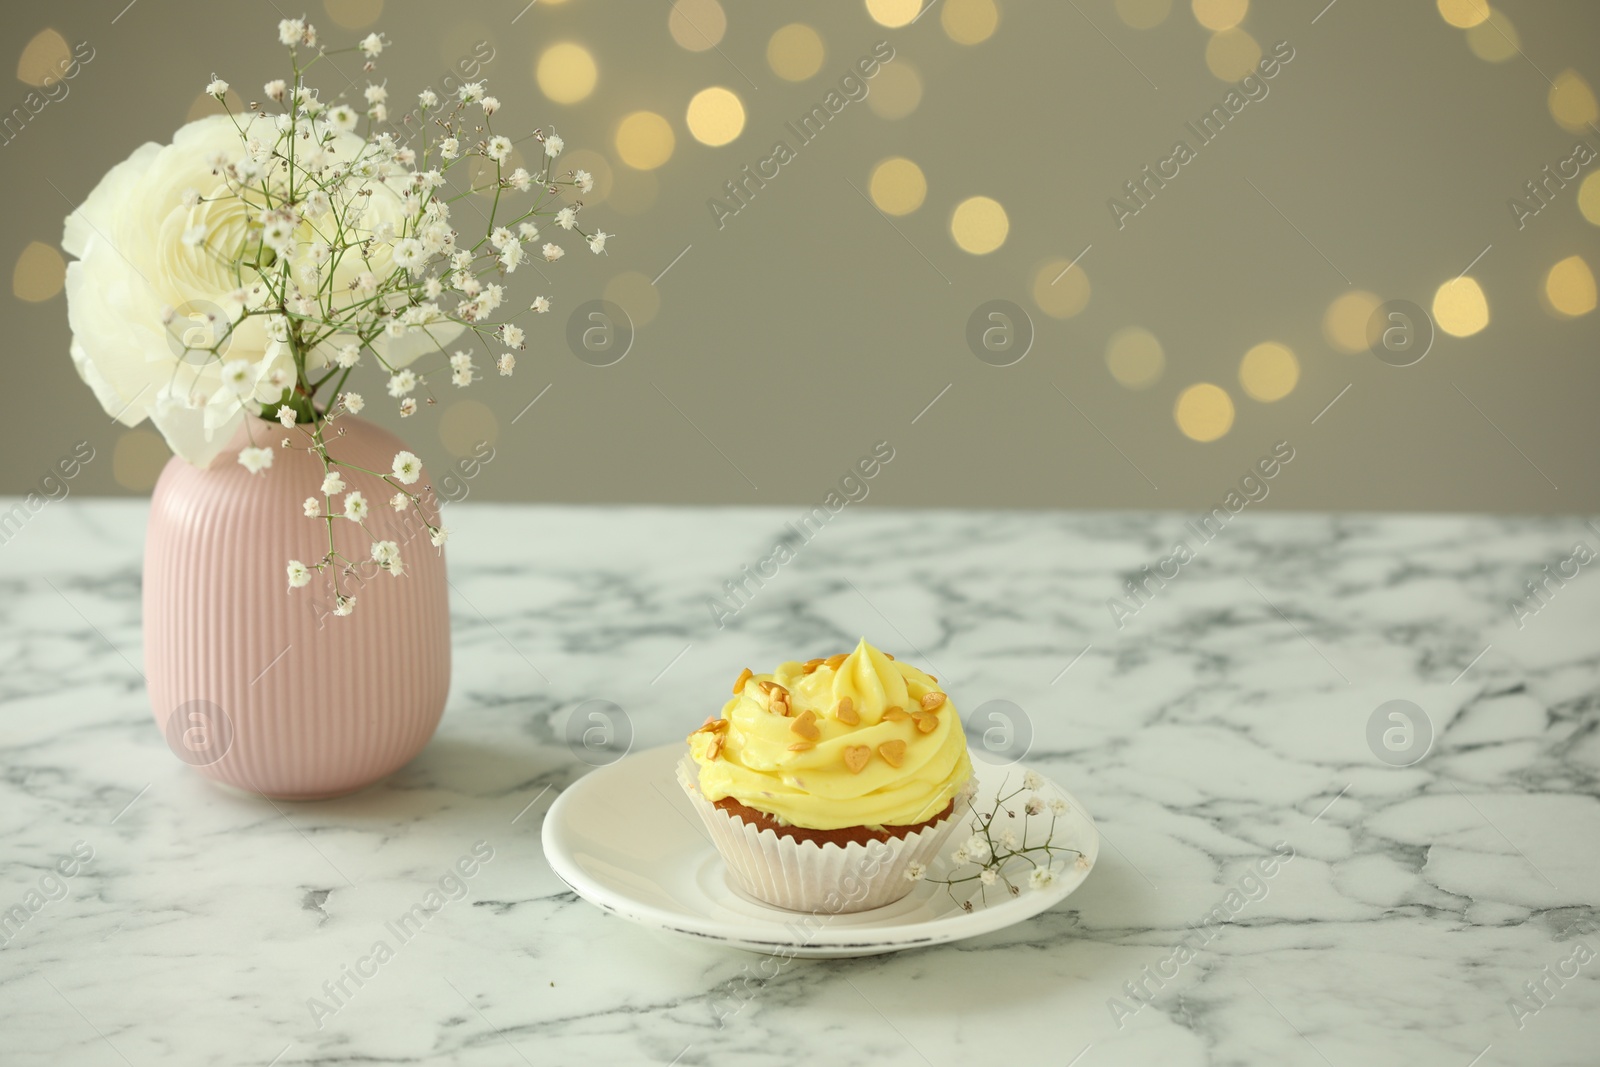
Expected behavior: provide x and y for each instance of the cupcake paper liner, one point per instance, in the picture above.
(805, 876)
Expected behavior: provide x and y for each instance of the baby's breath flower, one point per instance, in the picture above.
(597, 241)
(553, 252)
(311, 508)
(348, 355)
(1008, 840)
(1041, 878)
(470, 92)
(490, 105)
(298, 573)
(959, 856)
(499, 148)
(567, 217)
(342, 117)
(402, 382)
(236, 376)
(290, 31)
(915, 871)
(1031, 780)
(275, 89)
(584, 180)
(987, 876)
(511, 258)
(541, 304)
(428, 98)
(1034, 806)
(1058, 807)
(408, 407)
(408, 253)
(399, 501)
(510, 335)
(286, 415)
(343, 605)
(521, 180)
(527, 231)
(216, 87)
(332, 483)
(255, 460)
(438, 535)
(449, 148)
(372, 45)
(407, 467)
(506, 363)
(355, 506)
(553, 145)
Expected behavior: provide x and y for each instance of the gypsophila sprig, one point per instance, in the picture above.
(1003, 850)
(319, 239)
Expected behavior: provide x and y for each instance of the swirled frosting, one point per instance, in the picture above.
(854, 740)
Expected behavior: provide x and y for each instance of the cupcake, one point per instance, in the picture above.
(823, 784)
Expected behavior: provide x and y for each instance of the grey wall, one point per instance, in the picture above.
(781, 346)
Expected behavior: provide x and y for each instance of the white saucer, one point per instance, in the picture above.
(625, 839)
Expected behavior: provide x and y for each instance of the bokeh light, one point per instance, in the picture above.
(633, 292)
(1589, 198)
(1570, 288)
(1143, 14)
(44, 58)
(1134, 357)
(566, 72)
(897, 186)
(1231, 54)
(1464, 14)
(893, 13)
(39, 274)
(1494, 39)
(1061, 288)
(795, 52)
(979, 225)
(353, 14)
(715, 116)
(1572, 102)
(1459, 308)
(969, 21)
(896, 91)
(645, 140)
(138, 458)
(1203, 412)
(1344, 324)
(1220, 14)
(697, 25)
(1269, 371)
(467, 424)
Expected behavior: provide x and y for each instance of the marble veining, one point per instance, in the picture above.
(1438, 913)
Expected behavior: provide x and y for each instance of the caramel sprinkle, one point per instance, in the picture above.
(812, 664)
(895, 714)
(802, 746)
(713, 726)
(926, 721)
(846, 712)
(714, 749)
(834, 662)
(893, 752)
(744, 676)
(932, 701)
(856, 757)
(806, 726)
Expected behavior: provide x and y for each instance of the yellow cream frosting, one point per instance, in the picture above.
(769, 760)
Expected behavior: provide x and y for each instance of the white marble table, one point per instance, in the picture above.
(1228, 715)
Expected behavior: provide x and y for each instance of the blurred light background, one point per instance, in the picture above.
(1005, 184)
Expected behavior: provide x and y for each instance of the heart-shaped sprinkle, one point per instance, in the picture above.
(895, 714)
(835, 661)
(926, 721)
(744, 676)
(856, 757)
(893, 752)
(846, 712)
(806, 726)
(931, 701)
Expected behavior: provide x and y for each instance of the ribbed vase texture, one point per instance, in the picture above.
(258, 685)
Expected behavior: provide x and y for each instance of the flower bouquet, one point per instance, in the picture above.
(230, 287)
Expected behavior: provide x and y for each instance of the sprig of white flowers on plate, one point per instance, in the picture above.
(342, 243)
(995, 855)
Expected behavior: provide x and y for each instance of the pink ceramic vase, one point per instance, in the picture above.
(259, 686)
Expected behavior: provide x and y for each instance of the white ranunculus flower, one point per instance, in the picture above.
(134, 267)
